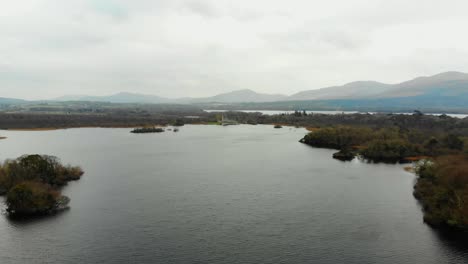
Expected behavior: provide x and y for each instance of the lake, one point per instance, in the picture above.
(278, 112)
(213, 194)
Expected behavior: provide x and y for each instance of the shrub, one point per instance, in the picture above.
(392, 150)
(442, 189)
(31, 198)
(338, 137)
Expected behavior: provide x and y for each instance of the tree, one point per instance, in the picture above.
(40, 166)
(431, 145)
(453, 142)
(31, 198)
(391, 150)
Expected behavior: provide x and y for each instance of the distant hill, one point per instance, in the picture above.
(8, 101)
(444, 92)
(230, 97)
(446, 84)
(443, 84)
(246, 95)
(65, 98)
(447, 90)
(361, 89)
(123, 97)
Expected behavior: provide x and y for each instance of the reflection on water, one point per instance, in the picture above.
(453, 242)
(22, 221)
(213, 194)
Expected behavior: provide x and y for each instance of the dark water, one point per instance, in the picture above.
(210, 194)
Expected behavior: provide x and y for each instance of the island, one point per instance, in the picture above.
(440, 163)
(147, 130)
(32, 184)
(344, 155)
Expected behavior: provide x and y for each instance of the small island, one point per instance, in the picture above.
(344, 155)
(32, 184)
(147, 130)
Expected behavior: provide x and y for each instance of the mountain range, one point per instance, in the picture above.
(444, 90)
(123, 97)
(448, 84)
(230, 97)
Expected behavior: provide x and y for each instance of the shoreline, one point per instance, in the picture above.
(32, 129)
(136, 126)
(67, 127)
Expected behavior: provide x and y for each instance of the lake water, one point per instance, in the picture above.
(213, 194)
(278, 112)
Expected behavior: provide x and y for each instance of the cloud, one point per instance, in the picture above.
(200, 47)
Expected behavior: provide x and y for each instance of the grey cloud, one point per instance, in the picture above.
(197, 48)
(203, 8)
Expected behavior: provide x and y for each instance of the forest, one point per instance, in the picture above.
(390, 145)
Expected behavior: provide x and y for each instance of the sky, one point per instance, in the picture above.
(196, 48)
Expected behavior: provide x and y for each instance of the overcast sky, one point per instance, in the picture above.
(176, 48)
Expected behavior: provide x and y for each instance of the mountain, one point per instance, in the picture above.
(361, 89)
(74, 97)
(444, 92)
(231, 97)
(449, 89)
(123, 97)
(8, 101)
(443, 84)
(245, 95)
